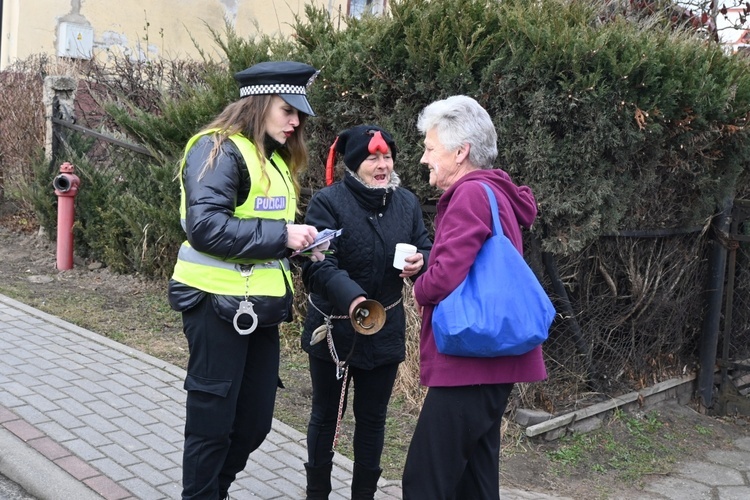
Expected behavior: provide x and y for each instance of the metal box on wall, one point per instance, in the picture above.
(75, 40)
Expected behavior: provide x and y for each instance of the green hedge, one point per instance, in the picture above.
(617, 124)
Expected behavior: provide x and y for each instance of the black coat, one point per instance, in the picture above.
(373, 221)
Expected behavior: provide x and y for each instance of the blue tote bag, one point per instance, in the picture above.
(500, 309)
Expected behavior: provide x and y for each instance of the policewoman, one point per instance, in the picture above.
(232, 280)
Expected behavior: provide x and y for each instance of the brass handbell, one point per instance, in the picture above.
(368, 317)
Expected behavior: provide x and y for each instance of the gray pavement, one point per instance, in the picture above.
(9, 490)
(83, 417)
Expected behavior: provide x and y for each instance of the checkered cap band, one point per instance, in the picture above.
(278, 88)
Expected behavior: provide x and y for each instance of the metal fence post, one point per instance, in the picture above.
(714, 294)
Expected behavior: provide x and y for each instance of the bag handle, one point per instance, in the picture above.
(496, 227)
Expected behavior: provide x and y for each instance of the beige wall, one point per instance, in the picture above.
(141, 28)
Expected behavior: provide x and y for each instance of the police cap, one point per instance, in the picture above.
(288, 79)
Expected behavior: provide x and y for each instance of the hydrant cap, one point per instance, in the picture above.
(67, 168)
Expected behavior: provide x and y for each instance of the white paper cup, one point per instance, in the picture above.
(403, 250)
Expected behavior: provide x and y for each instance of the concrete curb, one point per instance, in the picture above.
(36, 474)
(590, 418)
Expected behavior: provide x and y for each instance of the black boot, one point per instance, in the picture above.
(364, 482)
(318, 481)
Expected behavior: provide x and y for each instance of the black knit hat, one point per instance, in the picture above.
(288, 79)
(356, 144)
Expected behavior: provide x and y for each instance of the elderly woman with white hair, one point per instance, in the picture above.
(455, 450)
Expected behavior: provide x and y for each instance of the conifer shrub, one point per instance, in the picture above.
(616, 125)
(615, 122)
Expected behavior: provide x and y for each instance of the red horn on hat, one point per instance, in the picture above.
(330, 162)
(377, 143)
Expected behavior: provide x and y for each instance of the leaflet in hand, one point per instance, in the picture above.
(322, 237)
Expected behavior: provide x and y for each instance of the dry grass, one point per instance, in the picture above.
(407, 383)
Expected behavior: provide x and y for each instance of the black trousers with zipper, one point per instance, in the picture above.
(231, 390)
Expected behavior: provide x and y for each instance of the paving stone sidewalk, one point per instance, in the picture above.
(111, 418)
(83, 417)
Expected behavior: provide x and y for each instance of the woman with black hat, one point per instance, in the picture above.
(374, 214)
(232, 281)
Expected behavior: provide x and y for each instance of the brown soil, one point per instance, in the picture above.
(626, 453)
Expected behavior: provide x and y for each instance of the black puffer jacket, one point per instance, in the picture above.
(373, 221)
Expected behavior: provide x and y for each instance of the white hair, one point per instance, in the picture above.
(459, 120)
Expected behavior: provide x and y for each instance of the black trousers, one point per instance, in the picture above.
(231, 391)
(455, 451)
(372, 391)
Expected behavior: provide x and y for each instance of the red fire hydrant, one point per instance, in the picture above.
(66, 188)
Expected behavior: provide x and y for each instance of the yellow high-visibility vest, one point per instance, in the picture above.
(243, 277)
